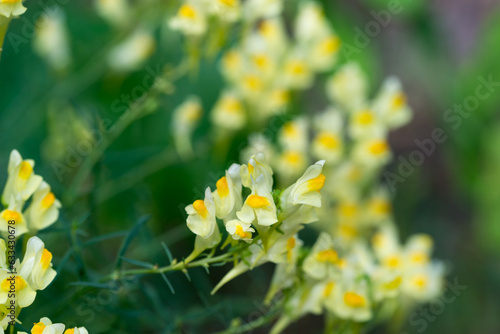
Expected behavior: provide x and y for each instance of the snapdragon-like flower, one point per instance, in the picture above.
(184, 120)
(227, 196)
(11, 8)
(257, 166)
(116, 12)
(23, 184)
(21, 179)
(323, 262)
(240, 230)
(131, 54)
(328, 143)
(13, 213)
(365, 123)
(229, 112)
(372, 152)
(201, 220)
(24, 293)
(348, 86)
(44, 208)
(38, 262)
(45, 326)
(257, 9)
(352, 301)
(391, 104)
(51, 39)
(259, 205)
(25, 278)
(306, 189)
(190, 19)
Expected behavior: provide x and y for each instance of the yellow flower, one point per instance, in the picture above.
(323, 261)
(257, 166)
(131, 54)
(43, 210)
(259, 205)
(352, 301)
(229, 113)
(240, 230)
(201, 216)
(12, 220)
(38, 262)
(11, 8)
(227, 197)
(348, 87)
(22, 180)
(306, 189)
(391, 104)
(190, 19)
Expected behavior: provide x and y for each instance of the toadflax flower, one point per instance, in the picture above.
(24, 296)
(130, 54)
(229, 113)
(348, 86)
(11, 8)
(184, 119)
(305, 190)
(240, 230)
(323, 262)
(45, 326)
(13, 213)
(257, 166)
(44, 208)
(21, 180)
(38, 262)
(227, 197)
(51, 39)
(259, 205)
(391, 104)
(202, 222)
(190, 19)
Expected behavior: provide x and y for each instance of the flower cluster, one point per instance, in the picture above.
(20, 280)
(266, 221)
(23, 186)
(267, 66)
(196, 17)
(46, 326)
(351, 134)
(357, 265)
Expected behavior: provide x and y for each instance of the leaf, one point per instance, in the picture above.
(138, 263)
(105, 237)
(64, 260)
(168, 282)
(93, 285)
(126, 242)
(167, 251)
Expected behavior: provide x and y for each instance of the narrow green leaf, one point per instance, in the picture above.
(168, 282)
(169, 254)
(126, 242)
(105, 237)
(138, 263)
(93, 285)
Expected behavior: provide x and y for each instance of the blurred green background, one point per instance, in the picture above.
(438, 48)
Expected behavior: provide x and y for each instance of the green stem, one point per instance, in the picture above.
(175, 266)
(4, 24)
